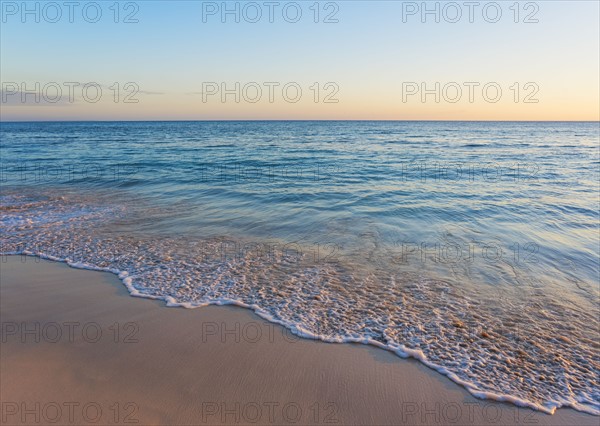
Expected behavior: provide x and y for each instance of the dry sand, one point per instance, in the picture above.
(77, 349)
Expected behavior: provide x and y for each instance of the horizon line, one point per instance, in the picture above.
(297, 120)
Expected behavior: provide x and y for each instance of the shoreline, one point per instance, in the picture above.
(363, 384)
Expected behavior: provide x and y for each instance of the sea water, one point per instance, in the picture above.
(471, 246)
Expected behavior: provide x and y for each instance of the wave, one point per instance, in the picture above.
(531, 350)
(398, 349)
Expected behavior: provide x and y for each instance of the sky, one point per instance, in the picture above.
(360, 60)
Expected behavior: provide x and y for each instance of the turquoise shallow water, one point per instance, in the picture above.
(471, 246)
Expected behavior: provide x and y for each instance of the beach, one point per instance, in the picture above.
(300, 213)
(78, 349)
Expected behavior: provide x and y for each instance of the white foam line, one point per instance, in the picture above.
(397, 349)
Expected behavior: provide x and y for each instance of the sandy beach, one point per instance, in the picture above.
(77, 349)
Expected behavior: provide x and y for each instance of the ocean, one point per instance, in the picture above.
(470, 246)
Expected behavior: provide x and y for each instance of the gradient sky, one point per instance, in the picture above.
(368, 55)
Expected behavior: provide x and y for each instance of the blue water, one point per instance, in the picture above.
(471, 246)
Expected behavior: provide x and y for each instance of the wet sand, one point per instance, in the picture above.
(77, 349)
